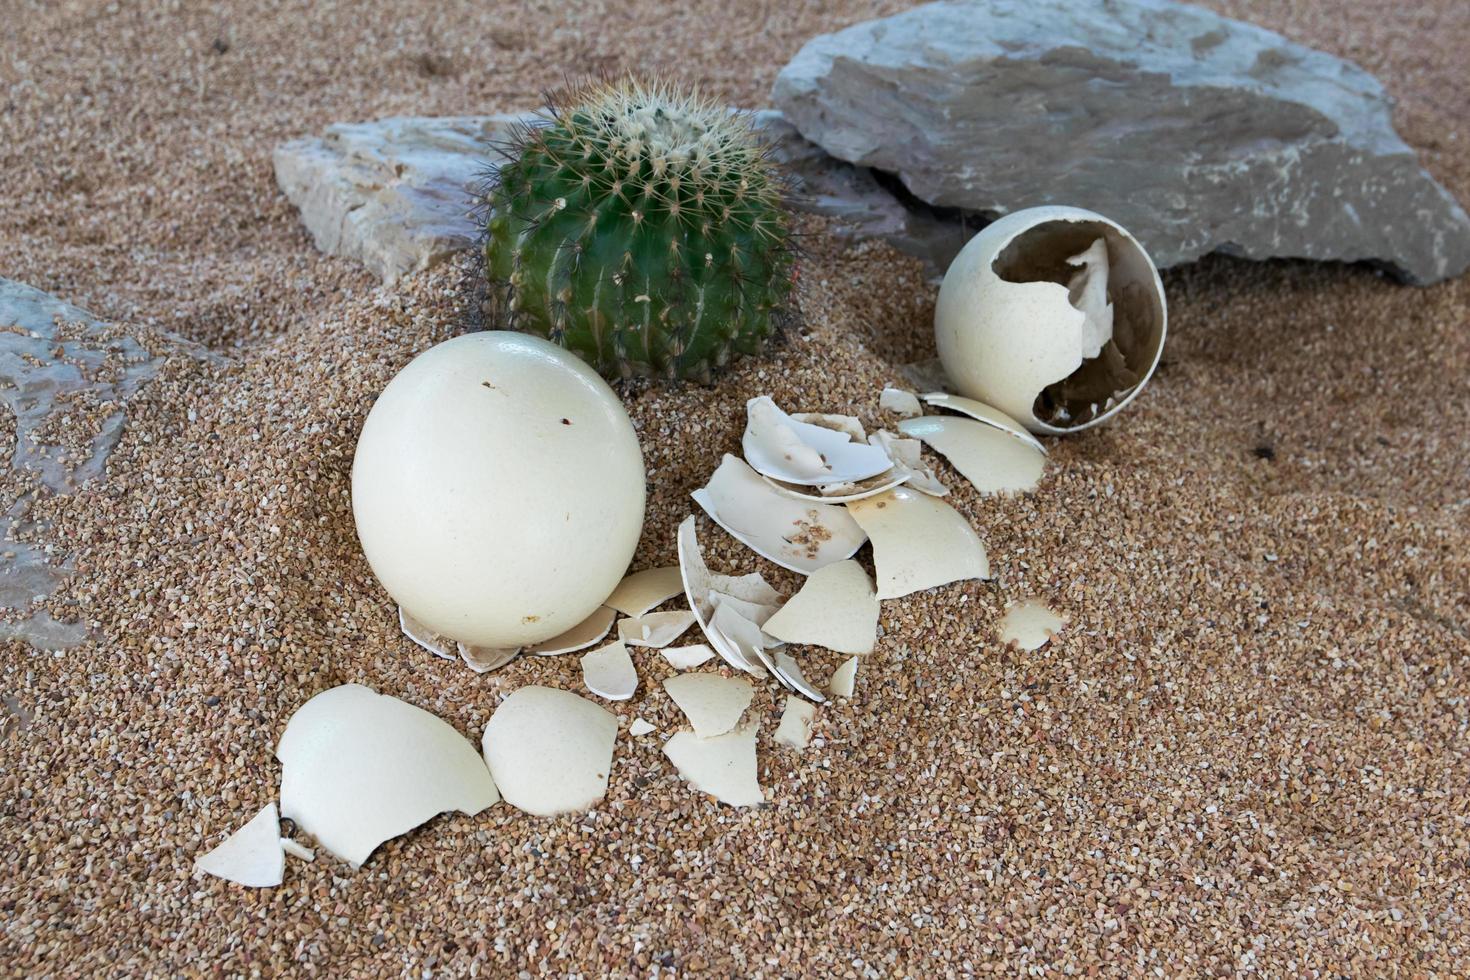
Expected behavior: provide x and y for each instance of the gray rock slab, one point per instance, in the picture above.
(1197, 132)
(397, 194)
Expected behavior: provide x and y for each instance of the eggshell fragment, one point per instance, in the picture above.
(842, 493)
(359, 768)
(723, 766)
(579, 637)
(844, 679)
(836, 608)
(981, 412)
(698, 580)
(550, 751)
(423, 636)
(252, 856)
(642, 591)
(655, 630)
(608, 672)
(847, 424)
(795, 729)
(751, 587)
(904, 404)
(796, 534)
(908, 461)
(992, 460)
(778, 446)
(482, 659)
(687, 658)
(919, 542)
(639, 728)
(1030, 624)
(788, 672)
(756, 612)
(296, 850)
(713, 703)
(742, 638)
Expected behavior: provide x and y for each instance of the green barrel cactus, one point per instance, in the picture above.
(642, 228)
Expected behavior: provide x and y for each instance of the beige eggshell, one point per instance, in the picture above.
(498, 489)
(579, 637)
(903, 403)
(697, 586)
(836, 608)
(550, 751)
(253, 856)
(713, 703)
(981, 412)
(778, 446)
(609, 672)
(795, 729)
(844, 679)
(919, 542)
(1003, 342)
(797, 534)
(656, 630)
(638, 593)
(689, 657)
(993, 460)
(359, 768)
(723, 766)
(1030, 624)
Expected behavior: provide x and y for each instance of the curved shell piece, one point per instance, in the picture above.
(779, 446)
(919, 542)
(981, 412)
(550, 750)
(1021, 309)
(992, 459)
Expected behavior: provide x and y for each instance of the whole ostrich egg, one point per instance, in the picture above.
(498, 489)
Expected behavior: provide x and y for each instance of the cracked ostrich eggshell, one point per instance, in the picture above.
(498, 489)
(1056, 330)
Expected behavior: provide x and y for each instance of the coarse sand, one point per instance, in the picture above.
(1247, 752)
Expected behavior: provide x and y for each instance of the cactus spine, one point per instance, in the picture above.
(641, 228)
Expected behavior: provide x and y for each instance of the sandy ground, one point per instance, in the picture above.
(1249, 751)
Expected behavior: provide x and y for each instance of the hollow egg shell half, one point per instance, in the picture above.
(1012, 334)
(498, 489)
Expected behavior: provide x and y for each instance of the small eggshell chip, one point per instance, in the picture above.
(579, 637)
(655, 630)
(423, 636)
(360, 768)
(640, 728)
(609, 672)
(844, 679)
(483, 659)
(713, 703)
(904, 404)
(1030, 624)
(795, 729)
(687, 658)
(550, 751)
(990, 458)
(638, 593)
(919, 542)
(723, 766)
(837, 608)
(252, 856)
(796, 534)
(788, 672)
(981, 412)
(296, 850)
(778, 446)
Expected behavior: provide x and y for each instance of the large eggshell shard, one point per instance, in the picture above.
(655, 630)
(778, 446)
(795, 729)
(919, 542)
(550, 751)
(423, 636)
(581, 636)
(796, 534)
(609, 672)
(687, 658)
(252, 856)
(981, 412)
(697, 583)
(723, 766)
(642, 591)
(360, 768)
(1030, 624)
(844, 679)
(712, 703)
(992, 460)
(1011, 332)
(902, 403)
(836, 608)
